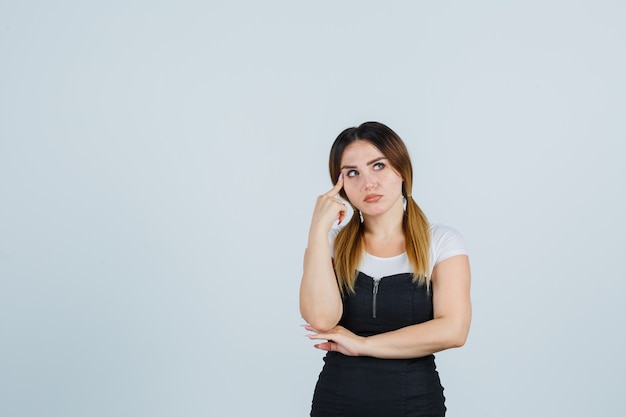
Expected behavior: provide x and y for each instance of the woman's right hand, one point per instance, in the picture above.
(328, 209)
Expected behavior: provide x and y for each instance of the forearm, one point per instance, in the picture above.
(320, 300)
(452, 311)
(417, 340)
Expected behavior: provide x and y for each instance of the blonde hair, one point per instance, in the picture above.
(349, 245)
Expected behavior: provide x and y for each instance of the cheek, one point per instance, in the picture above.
(395, 181)
(350, 190)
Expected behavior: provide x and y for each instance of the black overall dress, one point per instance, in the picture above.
(365, 386)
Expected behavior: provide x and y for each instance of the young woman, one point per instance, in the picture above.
(388, 292)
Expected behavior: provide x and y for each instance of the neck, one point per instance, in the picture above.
(385, 225)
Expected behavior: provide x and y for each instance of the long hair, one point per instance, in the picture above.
(349, 243)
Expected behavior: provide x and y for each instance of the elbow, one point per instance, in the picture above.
(458, 341)
(452, 342)
(322, 320)
(457, 332)
(459, 337)
(456, 336)
(321, 324)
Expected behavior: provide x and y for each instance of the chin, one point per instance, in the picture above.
(374, 213)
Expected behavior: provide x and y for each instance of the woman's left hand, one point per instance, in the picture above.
(338, 339)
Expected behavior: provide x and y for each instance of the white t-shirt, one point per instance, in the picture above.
(445, 242)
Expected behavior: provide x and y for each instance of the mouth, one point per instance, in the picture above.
(372, 198)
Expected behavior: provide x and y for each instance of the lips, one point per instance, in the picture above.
(372, 198)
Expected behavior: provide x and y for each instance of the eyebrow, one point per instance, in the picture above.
(373, 161)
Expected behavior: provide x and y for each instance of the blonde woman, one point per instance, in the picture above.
(387, 291)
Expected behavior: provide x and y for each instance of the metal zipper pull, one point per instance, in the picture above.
(374, 293)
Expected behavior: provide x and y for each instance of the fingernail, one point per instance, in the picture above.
(340, 176)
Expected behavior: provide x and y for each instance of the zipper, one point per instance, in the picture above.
(374, 293)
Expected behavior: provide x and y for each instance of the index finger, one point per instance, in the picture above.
(338, 186)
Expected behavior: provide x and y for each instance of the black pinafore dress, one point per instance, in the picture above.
(365, 386)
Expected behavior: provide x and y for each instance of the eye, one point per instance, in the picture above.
(378, 166)
(352, 173)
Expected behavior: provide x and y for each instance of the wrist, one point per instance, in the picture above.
(364, 346)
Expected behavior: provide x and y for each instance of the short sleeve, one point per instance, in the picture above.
(445, 243)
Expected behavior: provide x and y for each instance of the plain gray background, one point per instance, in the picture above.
(159, 162)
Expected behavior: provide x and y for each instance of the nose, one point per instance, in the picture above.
(370, 182)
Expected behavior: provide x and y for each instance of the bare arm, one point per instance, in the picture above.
(320, 300)
(448, 329)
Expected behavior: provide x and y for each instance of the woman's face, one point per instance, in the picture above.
(370, 183)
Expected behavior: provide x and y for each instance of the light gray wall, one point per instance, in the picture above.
(159, 162)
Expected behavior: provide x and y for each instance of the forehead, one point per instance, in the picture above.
(359, 153)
